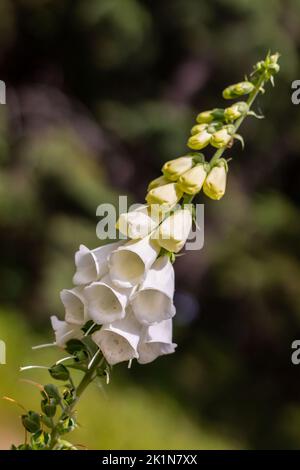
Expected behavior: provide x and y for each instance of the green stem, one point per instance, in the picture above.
(218, 154)
(83, 384)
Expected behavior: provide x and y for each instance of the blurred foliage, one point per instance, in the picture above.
(122, 416)
(99, 95)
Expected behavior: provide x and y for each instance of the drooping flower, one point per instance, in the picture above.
(167, 195)
(65, 331)
(192, 181)
(91, 265)
(236, 111)
(75, 305)
(153, 302)
(128, 265)
(198, 128)
(160, 181)
(137, 223)
(200, 140)
(105, 302)
(221, 138)
(118, 341)
(174, 168)
(174, 230)
(215, 183)
(156, 341)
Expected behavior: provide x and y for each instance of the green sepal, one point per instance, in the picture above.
(67, 425)
(40, 440)
(52, 392)
(47, 421)
(74, 345)
(59, 372)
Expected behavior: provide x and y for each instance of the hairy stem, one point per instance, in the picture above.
(86, 380)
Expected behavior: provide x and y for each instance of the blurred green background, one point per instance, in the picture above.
(99, 94)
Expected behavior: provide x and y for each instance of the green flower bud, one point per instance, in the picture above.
(238, 89)
(49, 407)
(211, 115)
(192, 181)
(168, 195)
(160, 181)
(199, 141)
(174, 168)
(273, 66)
(215, 184)
(236, 111)
(221, 138)
(31, 421)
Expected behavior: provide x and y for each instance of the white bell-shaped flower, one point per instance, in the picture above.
(153, 302)
(137, 223)
(129, 264)
(91, 265)
(156, 341)
(105, 302)
(65, 331)
(174, 230)
(75, 305)
(119, 341)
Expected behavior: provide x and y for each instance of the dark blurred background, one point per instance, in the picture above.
(99, 94)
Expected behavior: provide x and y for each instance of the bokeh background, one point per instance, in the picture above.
(99, 94)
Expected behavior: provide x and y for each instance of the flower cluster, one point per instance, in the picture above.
(121, 306)
(187, 175)
(128, 290)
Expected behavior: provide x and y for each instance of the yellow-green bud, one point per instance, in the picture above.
(198, 128)
(215, 184)
(236, 111)
(168, 195)
(160, 181)
(192, 181)
(273, 66)
(174, 168)
(221, 138)
(207, 117)
(238, 89)
(199, 141)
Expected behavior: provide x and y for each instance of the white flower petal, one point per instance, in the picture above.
(106, 302)
(118, 341)
(137, 223)
(156, 341)
(129, 264)
(91, 265)
(153, 302)
(174, 230)
(65, 331)
(75, 305)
